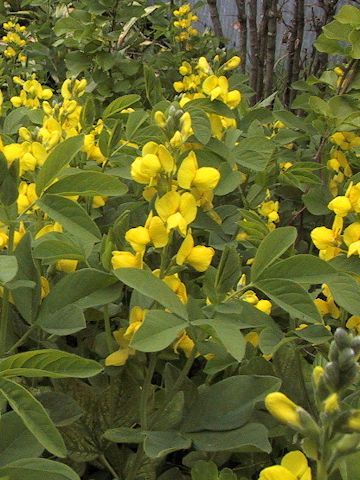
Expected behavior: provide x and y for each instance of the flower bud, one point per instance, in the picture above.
(342, 338)
(283, 409)
(348, 444)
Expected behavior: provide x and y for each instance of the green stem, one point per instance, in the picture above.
(321, 471)
(5, 301)
(106, 464)
(145, 394)
(21, 340)
(108, 333)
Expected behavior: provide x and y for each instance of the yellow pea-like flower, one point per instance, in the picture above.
(340, 206)
(66, 265)
(283, 409)
(138, 238)
(123, 259)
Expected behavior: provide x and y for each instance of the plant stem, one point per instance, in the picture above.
(5, 301)
(108, 334)
(21, 339)
(106, 464)
(321, 471)
(146, 390)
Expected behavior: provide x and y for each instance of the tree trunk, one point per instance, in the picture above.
(271, 48)
(215, 18)
(254, 48)
(263, 38)
(321, 59)
(296, 35)
(243, 33)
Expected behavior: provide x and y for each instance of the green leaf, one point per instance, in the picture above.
(152, 85)
(346, 292)
(158, 330)
(48, 363)
(208, 106)
(228, 404)
(56, 246)
(8, 268)
(15, 440)
(291, 297)
(200, 124)
(354, 38)
(88, 184)
(254, 153)
(134, 122)
(159, 444)
(271, 248)
(203, 470)
(228, 271)
(59, 158)
(71, 216)
(26, 298)
(314, 334)
(228, 332)
(251, 435)
(34, 416)
(72, 288)
(124, 435)
(147, 284)
(120, 104)
(301, 269)
(316, 200)
(66, 321)
(348, 14)
(36, 468)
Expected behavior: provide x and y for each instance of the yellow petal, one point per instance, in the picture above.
(206, 178)
(187, 171)
(209, 84)
(276, 472)
(117, 359)
(200, 257)
(166, 159)
(158, 233)
(295, 462)
(168, 204)
(188, 207)
(185, 249)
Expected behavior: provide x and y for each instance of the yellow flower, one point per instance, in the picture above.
(283, 409)
(66, 265)
(55, 227)
(158, 233)
(122, 259)
(45, 287)
(198, 257)
(331, 403)
(354, 323)
(341, 206)
(178, 211)
(160, 119)
(323, 238)
(317, 373)
(353, 422)
(190, 175)
(264, 306)
(138, 238)
(231, 64)
(184, 343)
(294, 466)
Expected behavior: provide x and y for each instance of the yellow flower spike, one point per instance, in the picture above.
(317, 373)
(323, 238)
(66, 265)
(122, 259)
(331, 403)
(138, 238)
(340, 206)
(283, 409)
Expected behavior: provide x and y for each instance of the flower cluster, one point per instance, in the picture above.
(15, 41)
(32, 93)
(332, 242)
(184, 25)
